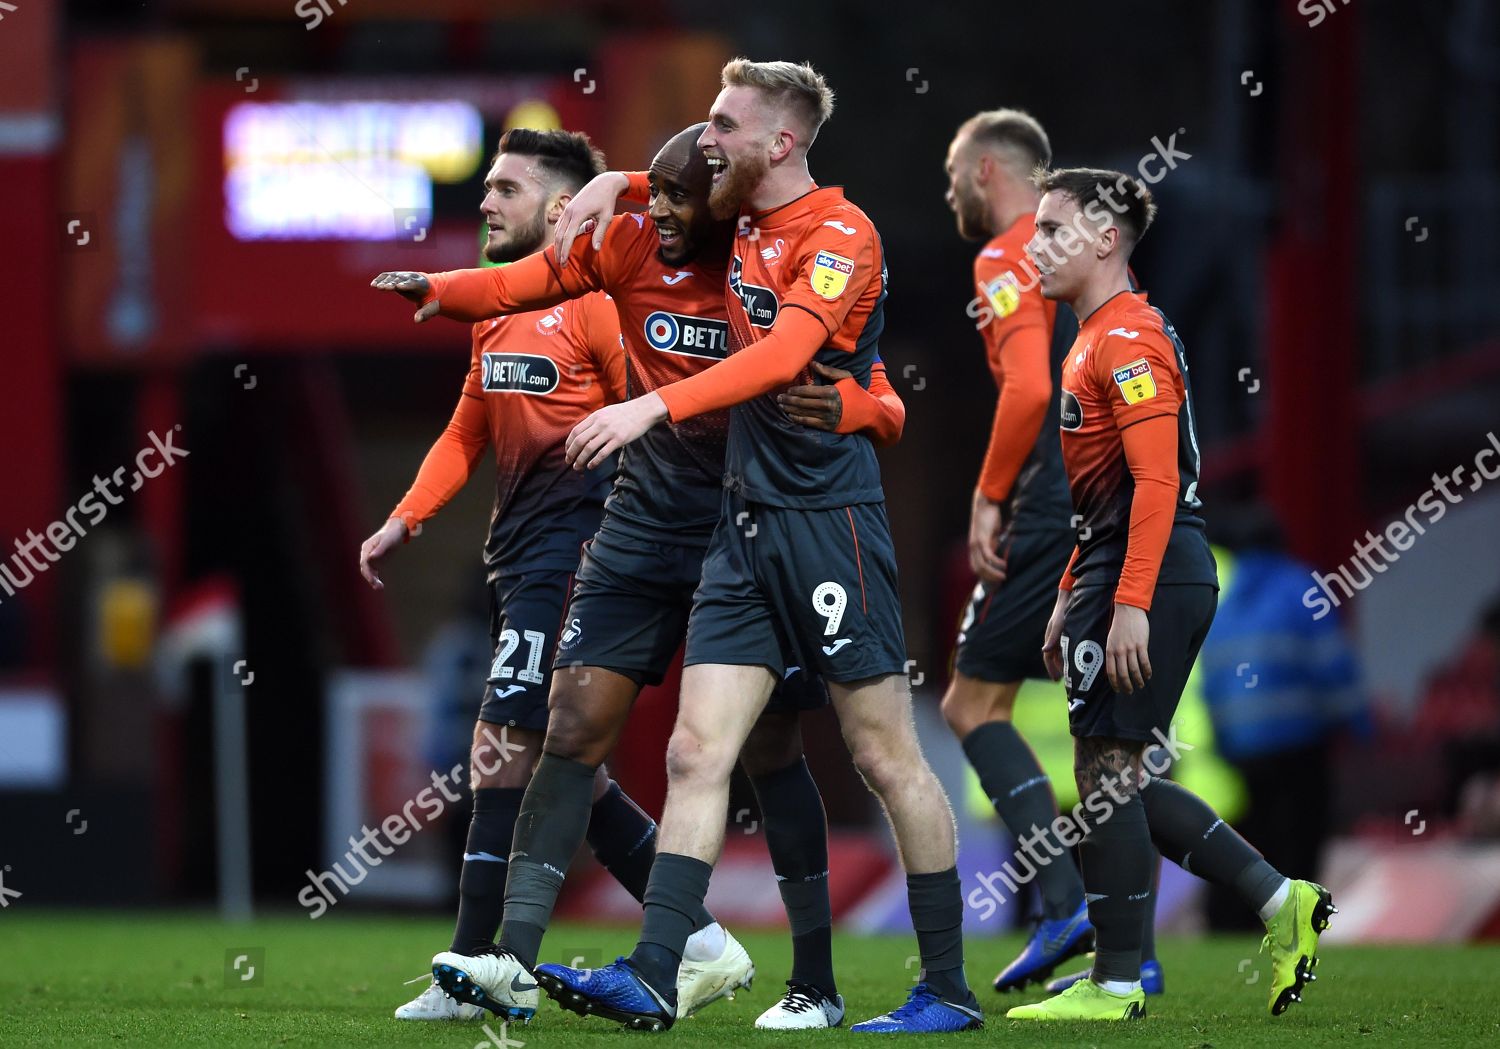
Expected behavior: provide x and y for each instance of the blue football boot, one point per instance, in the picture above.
(1053, 943)
(615, 992)
(925, 1013)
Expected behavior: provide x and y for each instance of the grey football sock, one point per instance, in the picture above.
(1022, 795)
(554, 818)
(1192, 835)
(1117, 876)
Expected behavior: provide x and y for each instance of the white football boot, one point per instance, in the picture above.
(701, 983)
(491, 979)
(433, 1004)
(802, 1008)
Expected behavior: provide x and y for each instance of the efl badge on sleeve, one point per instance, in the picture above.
(830, 274)
(1135, 381)
(1004, 293)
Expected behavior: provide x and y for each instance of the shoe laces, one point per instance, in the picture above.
(800, 997)
(1268, 945)
(920, 998)
(1035, 932)
(432, 994)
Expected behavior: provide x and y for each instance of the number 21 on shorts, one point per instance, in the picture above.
(509, 641)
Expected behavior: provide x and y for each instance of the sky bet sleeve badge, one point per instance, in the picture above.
(830, 274)
(1135, 381)
(1004, 293)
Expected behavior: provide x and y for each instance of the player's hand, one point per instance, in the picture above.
(985, 523)
(612, 427)
(412, 286)
(819, 406)
(1052, 640)
(1125, 659)
(591, 210)
(391, 535)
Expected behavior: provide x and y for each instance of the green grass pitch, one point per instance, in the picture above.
(105, 979)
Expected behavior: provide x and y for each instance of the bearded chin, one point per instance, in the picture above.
(521, 243)
(728, 195)
(723, 204)
(974, 221)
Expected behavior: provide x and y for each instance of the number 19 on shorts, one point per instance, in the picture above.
(829, 600)
(1088, 658)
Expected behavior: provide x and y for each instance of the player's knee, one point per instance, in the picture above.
(884, 763)
(880, 774)
(503, 757)
(1103, 765)
(694, 758)
(969, 703)
(958, 712)
(572, 737)
(575, 735)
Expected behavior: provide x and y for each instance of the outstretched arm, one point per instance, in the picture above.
(533, 283)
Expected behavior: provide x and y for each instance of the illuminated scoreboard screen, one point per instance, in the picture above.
(377, 163)
(336, 179)
(352, 170)
(247, 213)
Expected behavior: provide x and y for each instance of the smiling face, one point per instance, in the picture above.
(681, 214)
(964, 197)
(680, 183)
(516, 201)
(737, 143)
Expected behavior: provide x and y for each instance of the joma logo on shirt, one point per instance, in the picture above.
(519, 373)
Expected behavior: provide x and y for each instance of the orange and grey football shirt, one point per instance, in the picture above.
(669, 487)
(813, 270)
(532, 378)
(1135, 492)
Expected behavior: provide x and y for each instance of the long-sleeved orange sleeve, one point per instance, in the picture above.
(1069, 580)
(532, 283)
(448, 464)
(771, 362)
(1022, 369)
(1151, 453)
(639, 189)
(878, 412)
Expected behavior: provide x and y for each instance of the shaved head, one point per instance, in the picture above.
(681, 161)
(681, 181)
